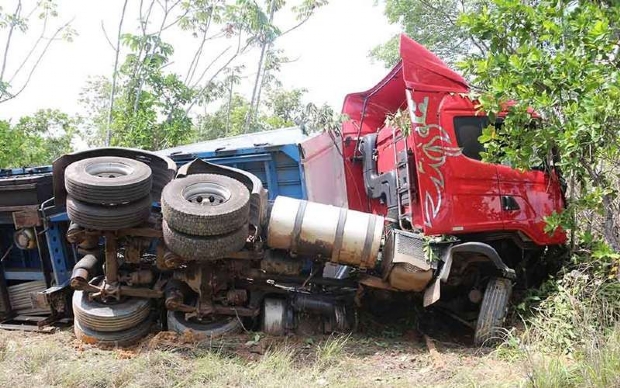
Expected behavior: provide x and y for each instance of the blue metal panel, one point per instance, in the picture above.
(59, 255)
(278, 167)
(59, 217)
(7, 172)
(12, 274)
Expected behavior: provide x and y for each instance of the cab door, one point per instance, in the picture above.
(459, 192)
(527, 198)
(472, 185)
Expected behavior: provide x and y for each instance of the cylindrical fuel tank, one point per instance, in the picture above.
(336, 234)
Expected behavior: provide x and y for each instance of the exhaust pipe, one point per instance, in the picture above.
(83, 271)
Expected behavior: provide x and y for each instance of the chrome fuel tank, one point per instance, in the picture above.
(336, 234)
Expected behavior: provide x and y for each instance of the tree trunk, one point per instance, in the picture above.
(228, 107)
(113, 89)
(259, 73)
(609, 225)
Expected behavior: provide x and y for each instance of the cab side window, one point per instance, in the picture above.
(468, 129)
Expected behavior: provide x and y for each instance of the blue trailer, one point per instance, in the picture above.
(39, 272)
(275, 157)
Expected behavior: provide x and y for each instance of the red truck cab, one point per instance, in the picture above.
(424, 173)
(431, 177)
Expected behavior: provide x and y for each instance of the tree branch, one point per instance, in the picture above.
(32, 50)
(114, 76)
(211, 64)
(105, 34)
(232, 58)
(296, 26)
(149, 56)
(9, 38)
(37, 62)
(194, 64)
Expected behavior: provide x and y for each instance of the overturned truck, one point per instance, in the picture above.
(213, 248)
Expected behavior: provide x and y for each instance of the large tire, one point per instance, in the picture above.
(273, 320)
(108, 217)
(205, 204)
(204, 248)
(117, 338)
(226, 325)
(490, 324)
(101, 317)
(108, 180)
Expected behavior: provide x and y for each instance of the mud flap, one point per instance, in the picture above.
(432, 293)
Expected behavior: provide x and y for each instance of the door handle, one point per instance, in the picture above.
(509, 203)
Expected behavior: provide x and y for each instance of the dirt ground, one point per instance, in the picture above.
(164, 359)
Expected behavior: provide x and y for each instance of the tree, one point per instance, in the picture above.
(38, 139)
(269, 58)
(151, 107)
(432, 23)
(283, 108)
(16, 23)
(227, 120)
(560, 57)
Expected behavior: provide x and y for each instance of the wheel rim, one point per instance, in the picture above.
(206, 194)
(109, 169)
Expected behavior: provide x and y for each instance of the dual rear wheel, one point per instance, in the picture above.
(206, 216)
(108, 192)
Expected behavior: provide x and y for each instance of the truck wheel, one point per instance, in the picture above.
(489, 327)
(108, 217)
(204, 248)
(205, 204)
(220, 327)
(117, 338)
(108, 180)
(102, 317)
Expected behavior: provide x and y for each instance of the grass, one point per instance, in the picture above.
(58, 360)
(596, 365)
(573, 340)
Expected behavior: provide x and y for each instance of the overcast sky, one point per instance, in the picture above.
(330, 52)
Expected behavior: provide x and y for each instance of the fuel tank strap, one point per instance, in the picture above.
(370, 233)
(342, 219)
(299, 218)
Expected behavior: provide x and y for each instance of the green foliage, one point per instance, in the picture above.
(321, 118)
(573, 340)
(149, 112)
(228, 120)
(153, 108)
(94, 99)
(559, 57)
(36, 140)
(285, 106)
(432, 23)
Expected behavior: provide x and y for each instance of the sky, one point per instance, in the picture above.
(329, 54)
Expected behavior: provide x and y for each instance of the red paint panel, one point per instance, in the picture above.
(453, 193)
(538, 195)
